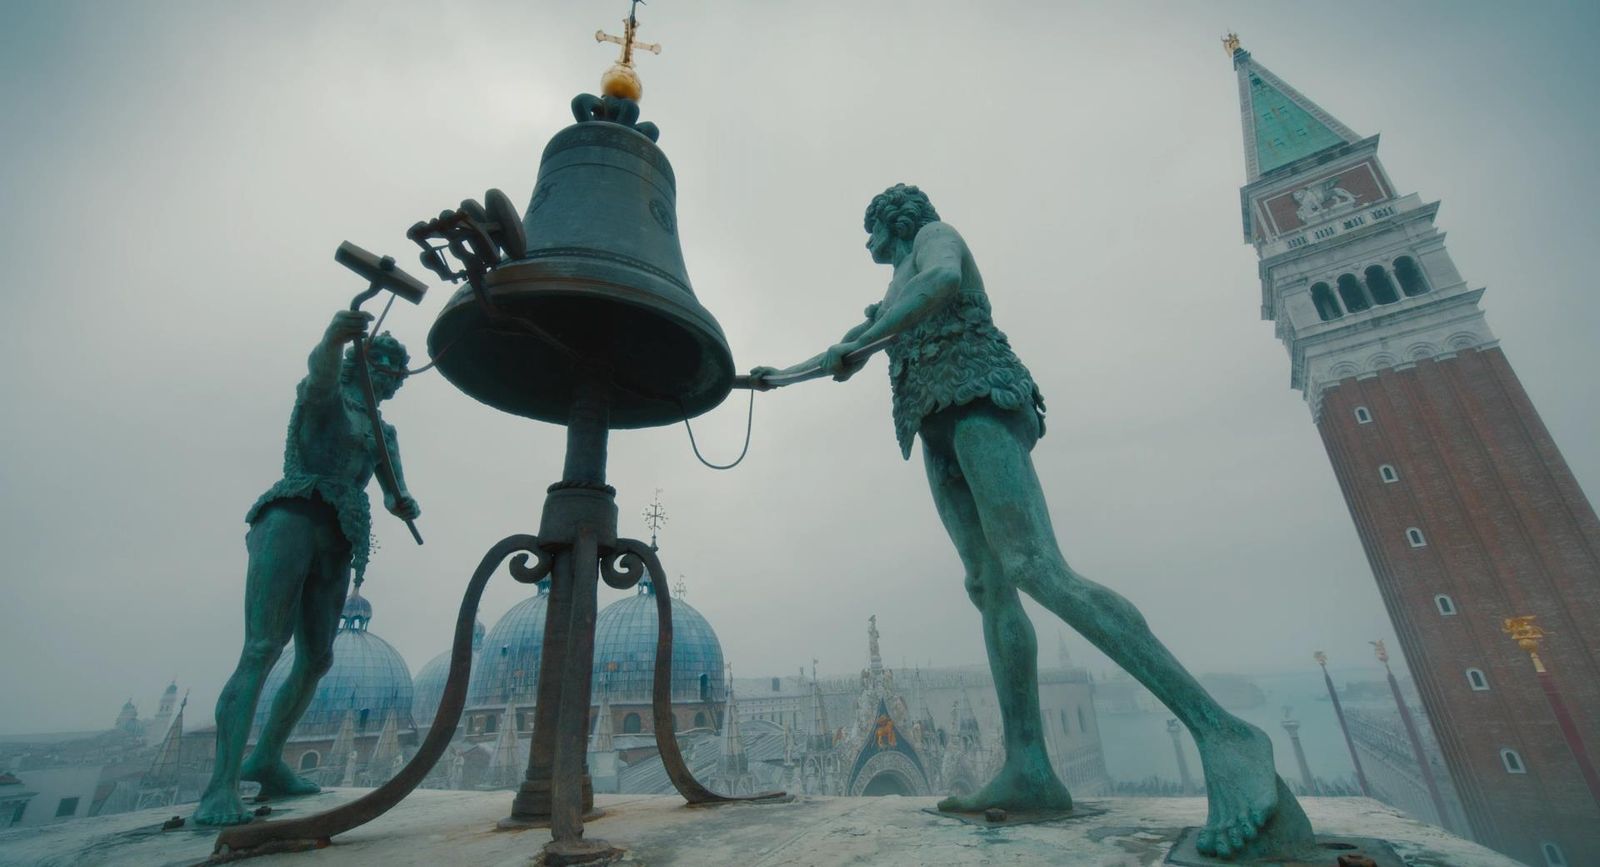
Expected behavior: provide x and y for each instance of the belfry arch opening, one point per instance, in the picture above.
(1410, 276)
(1327, 306)
(1352, 293)
(1381, 287)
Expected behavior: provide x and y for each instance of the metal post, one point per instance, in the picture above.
(1176, 730)
(1338, 711)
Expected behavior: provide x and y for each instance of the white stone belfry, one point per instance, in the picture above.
(1354, 276)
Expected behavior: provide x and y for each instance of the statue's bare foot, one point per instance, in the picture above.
(221, 806)
(1014, 790)
(1251, 811)
(276, 780)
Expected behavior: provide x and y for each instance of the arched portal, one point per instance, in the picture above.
(888, 783)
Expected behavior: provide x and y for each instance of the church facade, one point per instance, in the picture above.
(1485, 550)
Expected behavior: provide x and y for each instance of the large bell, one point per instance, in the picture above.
(602, 287)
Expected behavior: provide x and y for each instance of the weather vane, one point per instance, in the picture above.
(654, 517)
(621, 81)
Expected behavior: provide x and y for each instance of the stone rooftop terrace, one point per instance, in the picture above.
(436, 828)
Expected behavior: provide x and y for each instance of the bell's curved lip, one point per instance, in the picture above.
(667, 352)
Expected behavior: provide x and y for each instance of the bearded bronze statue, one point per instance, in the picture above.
(959, 386)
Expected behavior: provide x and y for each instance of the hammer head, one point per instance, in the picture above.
(381, 272)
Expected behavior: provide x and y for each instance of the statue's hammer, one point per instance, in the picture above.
(381, 273)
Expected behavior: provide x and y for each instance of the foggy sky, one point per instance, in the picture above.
(176, 177)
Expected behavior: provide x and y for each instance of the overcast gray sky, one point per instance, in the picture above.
(177, 175)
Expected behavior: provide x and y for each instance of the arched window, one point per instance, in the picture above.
(630, 724)
(309, 760)
(1352, 293)
(1082, 725)
(1387, 473)
(1327, 306)
(1363, 416)
(700, 719)
(1381, 287)
(361, 718)
(490, 725)
(1513, 762)
(1414, 536)
(1447, 606)
(1477, 680)
(1410, 276)
(1553, 856)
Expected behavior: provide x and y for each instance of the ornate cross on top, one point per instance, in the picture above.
(630, 26)
(680, 589)
(654, 517)
(620, 80)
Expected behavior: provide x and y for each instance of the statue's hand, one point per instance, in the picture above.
(347, 325)
(405, 508)
(835, 363)
(758, 376)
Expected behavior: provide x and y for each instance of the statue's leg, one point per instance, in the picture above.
(1026, 781)
(281, 548)
(992, 448)
(321, 602)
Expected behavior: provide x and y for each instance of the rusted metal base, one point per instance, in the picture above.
(560, 853)
(517, 823)
(1008, 818)
(1330, 850)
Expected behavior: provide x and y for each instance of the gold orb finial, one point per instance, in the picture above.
(1230, 43)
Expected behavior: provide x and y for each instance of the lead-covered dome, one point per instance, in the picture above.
(508, 665)
(625, 650)
(369, 679)
(428, 685)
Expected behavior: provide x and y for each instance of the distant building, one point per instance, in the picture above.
(1468, 513)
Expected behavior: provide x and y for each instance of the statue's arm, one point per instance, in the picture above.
(397, 499)
(937, 254)
(815, 360)
(322, 375)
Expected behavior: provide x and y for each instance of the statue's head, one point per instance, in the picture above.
(896, 214)
(386, 358)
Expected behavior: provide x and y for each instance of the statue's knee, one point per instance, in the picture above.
(319, 664)
(260, 652)
(977, 589)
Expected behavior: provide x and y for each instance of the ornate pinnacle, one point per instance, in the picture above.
(1527, 635)
(1230, 43)
(621, 81)
(1321, 658)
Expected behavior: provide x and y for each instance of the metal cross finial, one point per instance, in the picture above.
(630, 26)
(680, 589)
(654, 517)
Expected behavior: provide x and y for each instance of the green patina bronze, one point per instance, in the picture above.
(957, 383)
(307, 534)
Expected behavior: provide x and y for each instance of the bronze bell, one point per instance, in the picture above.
(601, 286)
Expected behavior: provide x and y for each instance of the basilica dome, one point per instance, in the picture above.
(428, 686)
(369, 679)
(625, 650)
(508, 665)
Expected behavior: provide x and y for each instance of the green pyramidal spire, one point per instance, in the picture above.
(1280, 124)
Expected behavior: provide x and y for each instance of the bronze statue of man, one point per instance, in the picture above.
(957, 383)
(308, 533)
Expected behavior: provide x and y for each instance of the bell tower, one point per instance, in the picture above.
(1466, 509)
